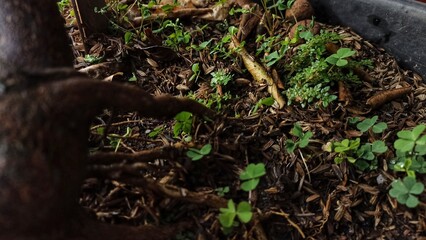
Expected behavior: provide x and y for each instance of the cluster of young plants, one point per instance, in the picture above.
(277, 6)
(410, 158)
(273, 48)
(220, 78)
(242, 212)
(183, 125)
(312, 71)
(220, 48)
(177, 36)
(410, 151)
(363, 156)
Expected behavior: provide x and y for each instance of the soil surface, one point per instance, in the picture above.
(304, 194)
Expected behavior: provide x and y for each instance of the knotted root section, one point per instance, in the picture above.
(44, 155)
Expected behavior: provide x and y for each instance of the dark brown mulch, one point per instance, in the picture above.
(302, 194)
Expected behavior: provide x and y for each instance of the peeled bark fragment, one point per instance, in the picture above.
(258, 71)
(386, 96)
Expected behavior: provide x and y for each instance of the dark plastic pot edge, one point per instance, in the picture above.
(399, 26)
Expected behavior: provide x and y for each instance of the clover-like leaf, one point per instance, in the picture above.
(227, 215)
(297, 131)
(366, 124)
(379, 147)
(304, 140)
(417, 131)
(417, 188)
(332, 59)
(342, 62)
(404, 145)
(290, 145)
(250, 184)
(362, 165)
(379, 127)
(253, 171)
(244, 212)
(345, 52)
(421, 140)
(206, 149)
(405, 190)
(412, 201)
(398, 188)
(194, 155)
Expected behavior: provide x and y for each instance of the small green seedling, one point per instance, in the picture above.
(362, 156)
(221, 191)
(251, 176)
(227, 215)
(178, 36)
(410, 141)
(195, 72)
(410, 151)
(157, 130)
(366, 155)
(183, 124)
(220, 77)
(368, 123)
(269, 101)
(303, 138)
(133, 78)
(128, 37)
(91, 59)
(404, 191)
(345, 149)
(354, 120)
(339, 58)
(115, 139)
(202, 45)
(196, 154)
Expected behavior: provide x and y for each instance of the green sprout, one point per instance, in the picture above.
(128, 37)
(183, 124)
(115, 140)
(251, 176)
(91, 59)
(410, 150)
(411, 140)
(196, 154)
(227, 215)
(303, 138)
(404, 191)
(368, 123)
(157, 130)
(195, 72)
(221, 191)
(339, 58)
(269, 101)
(220, 77)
